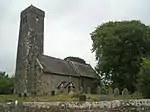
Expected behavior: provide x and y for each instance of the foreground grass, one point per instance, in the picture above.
(111, 97)
(64, 97)
(5, 98)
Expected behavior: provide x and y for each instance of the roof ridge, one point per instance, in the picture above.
(79, 63)
(54, 57)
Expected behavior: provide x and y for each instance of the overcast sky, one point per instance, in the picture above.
(68, 24)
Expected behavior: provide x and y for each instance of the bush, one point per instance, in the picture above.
(144, 78)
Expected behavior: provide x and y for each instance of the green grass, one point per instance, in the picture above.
(64, 97)
(111, 97)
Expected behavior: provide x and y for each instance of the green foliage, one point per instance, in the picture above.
(76, 59)
(6, 83)
(144, 78)
(119, 48)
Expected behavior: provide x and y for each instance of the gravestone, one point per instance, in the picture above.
(88, 90)
(110, 91)
(52, 93)
(19, 95)
(71, 92)
(25, 95)
(82, 97)
(98, 90)
(125, 92)
(81, 89)
(116, 91)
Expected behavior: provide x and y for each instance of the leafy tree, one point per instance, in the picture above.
(76, 59)
(144, 78)
(119, 48)
(6, 83)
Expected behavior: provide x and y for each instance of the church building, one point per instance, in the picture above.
(38, 74)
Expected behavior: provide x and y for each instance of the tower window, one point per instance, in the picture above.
(24, 20)
(37, 19)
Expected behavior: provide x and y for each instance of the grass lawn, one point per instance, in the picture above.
(63, 97)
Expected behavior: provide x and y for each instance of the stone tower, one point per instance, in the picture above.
(30, 46)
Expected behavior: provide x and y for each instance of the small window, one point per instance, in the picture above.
(24, 20)
(37, 19)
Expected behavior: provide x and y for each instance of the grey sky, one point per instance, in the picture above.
(68, 24)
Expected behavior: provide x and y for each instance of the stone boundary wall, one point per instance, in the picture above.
(142, 105)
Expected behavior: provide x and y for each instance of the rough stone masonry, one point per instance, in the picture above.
(30, 46)
(142, 105)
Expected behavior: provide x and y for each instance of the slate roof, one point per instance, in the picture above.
(85, 70)
(57, 66)
(63, 67)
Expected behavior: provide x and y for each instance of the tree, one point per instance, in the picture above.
(119, 48)
(6, 83)
(144, 78)
(76, 59)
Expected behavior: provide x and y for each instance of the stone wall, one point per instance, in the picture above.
(86, 83)
(103, 106)
(49, 82)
